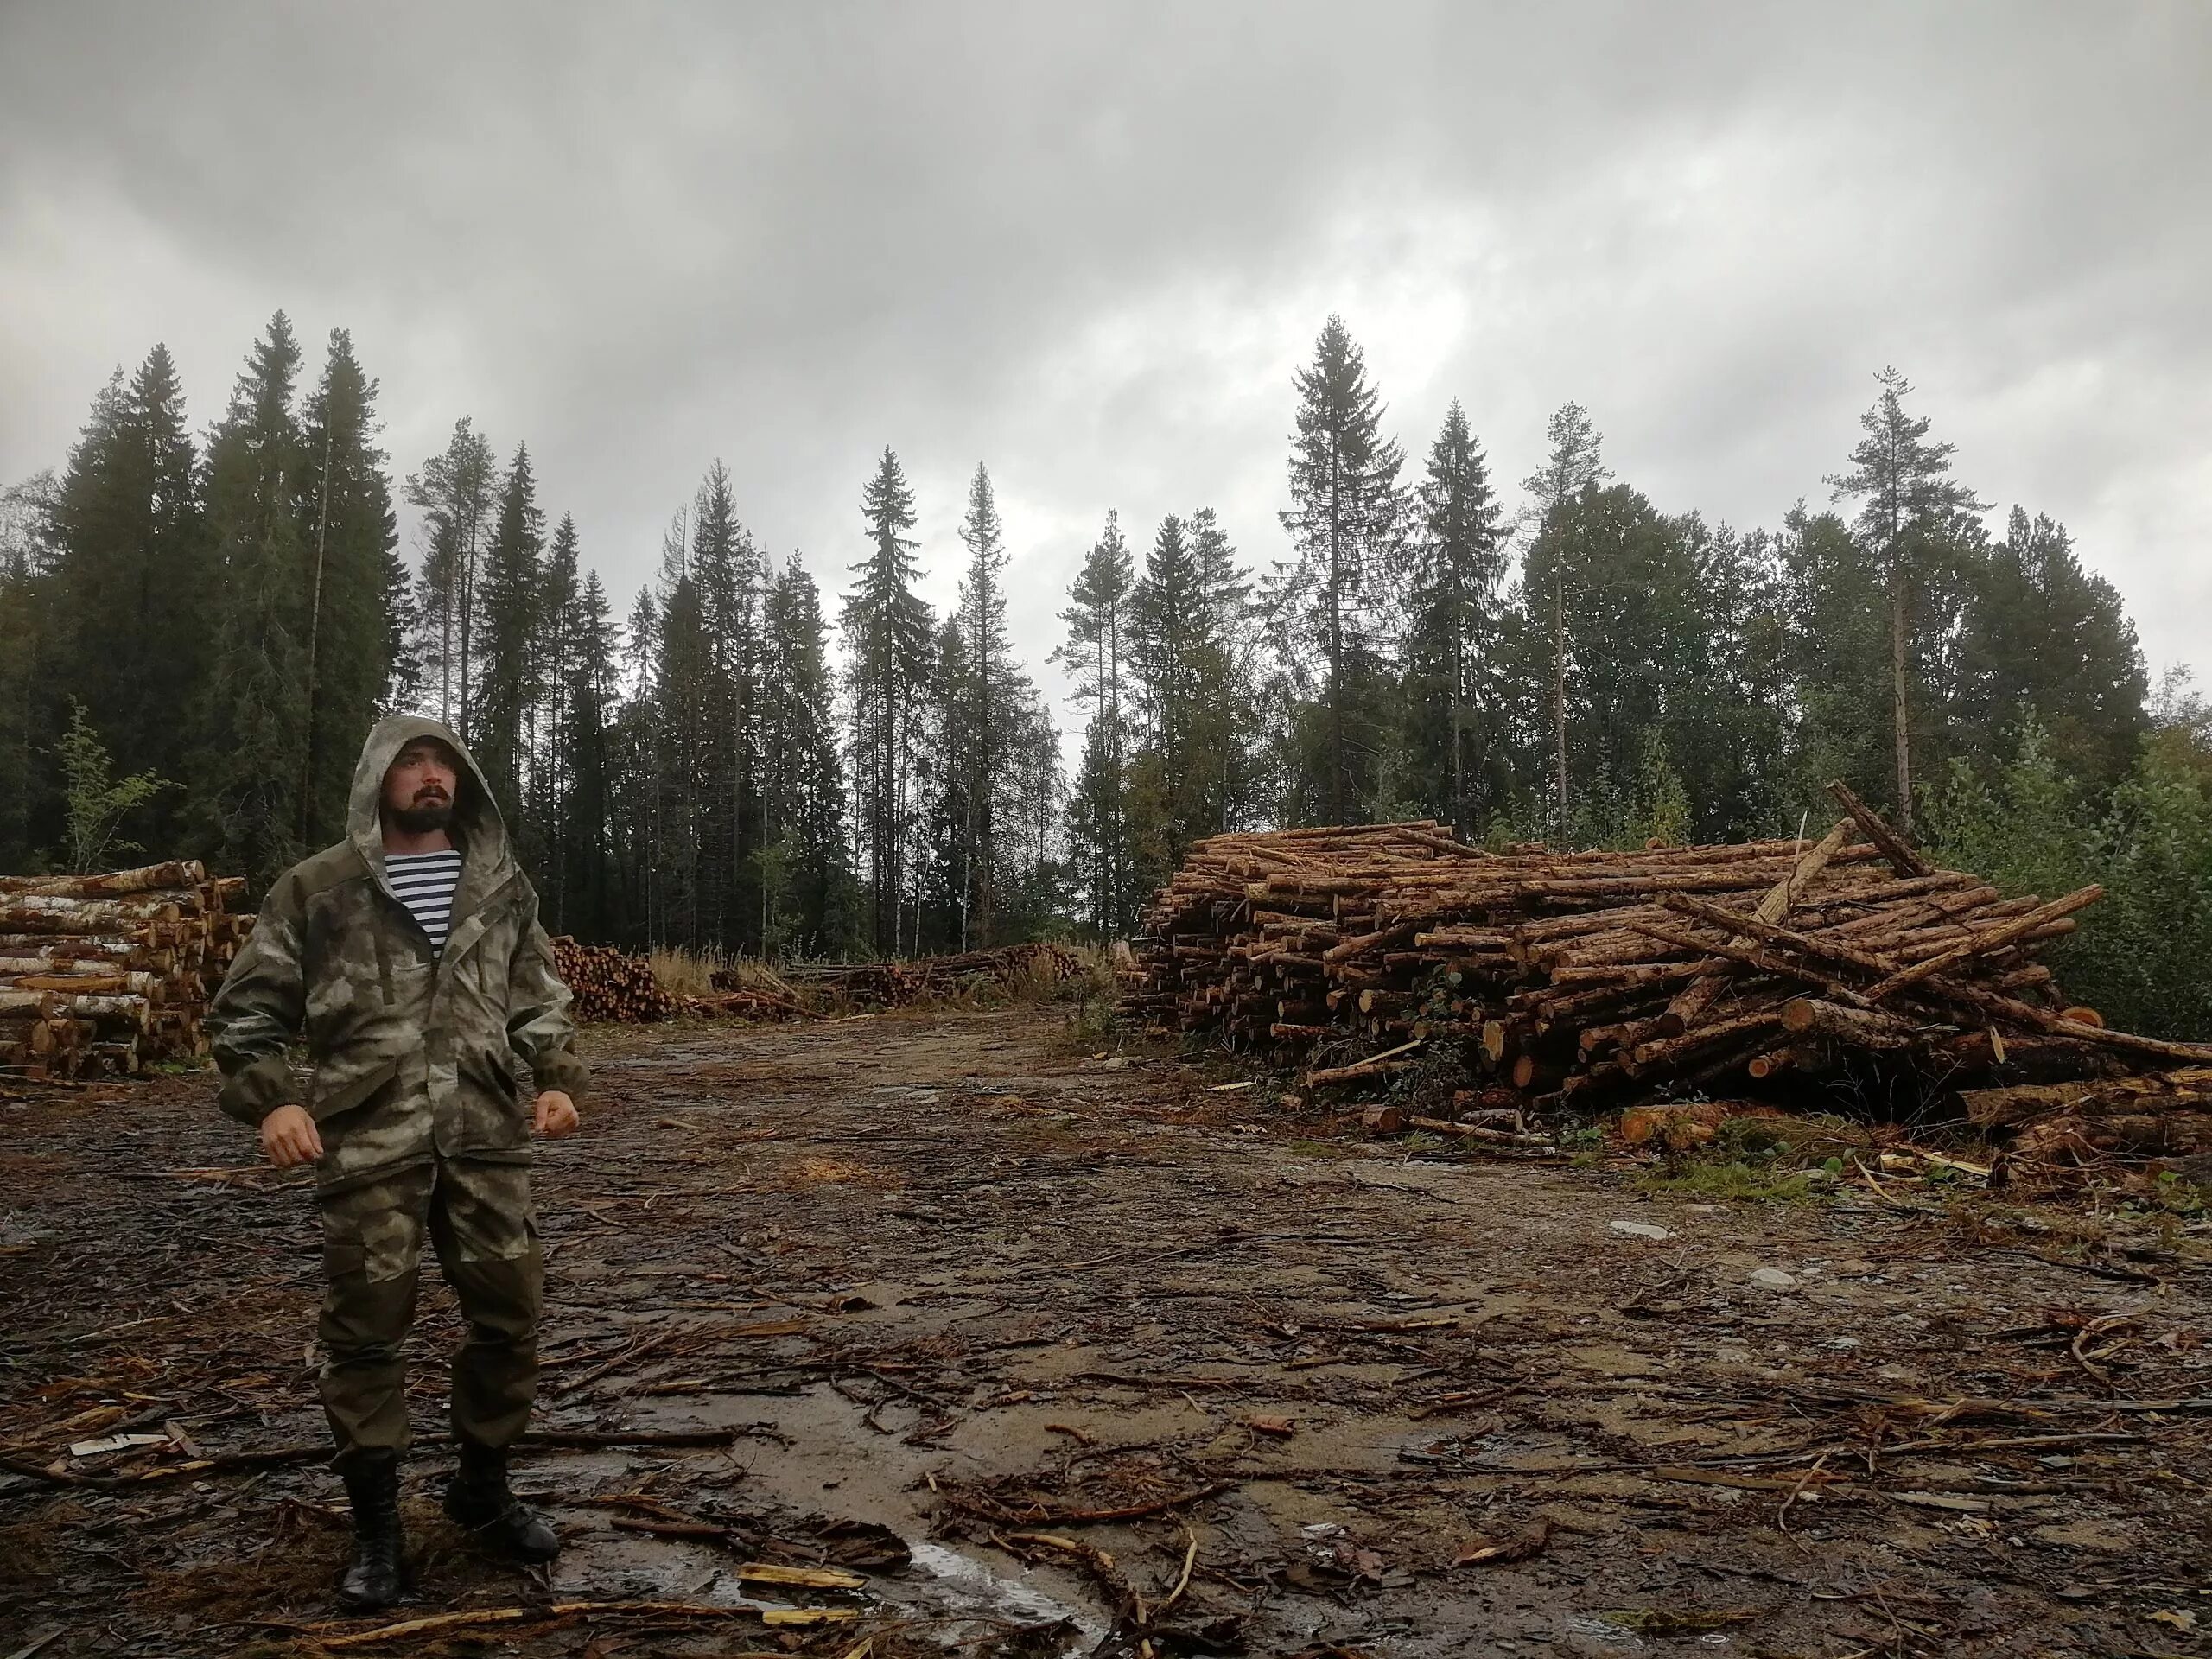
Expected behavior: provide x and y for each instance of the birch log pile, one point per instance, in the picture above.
(1592, 980)
(111, 973)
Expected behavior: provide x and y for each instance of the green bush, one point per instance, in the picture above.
(2143, 957)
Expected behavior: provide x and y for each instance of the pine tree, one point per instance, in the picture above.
(351, 542)
(454, 491)
(1335, 597)
(256, 722)
(1456, 570)
(887, 629)
(1908, 525)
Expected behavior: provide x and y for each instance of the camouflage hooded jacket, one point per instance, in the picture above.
(415, 1049)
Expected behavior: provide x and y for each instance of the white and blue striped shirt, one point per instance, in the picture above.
(424, 882)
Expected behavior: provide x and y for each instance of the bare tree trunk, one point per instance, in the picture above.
(315, 630)
(1558, 691)
(1897, 682)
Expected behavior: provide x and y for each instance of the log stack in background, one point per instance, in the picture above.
(1590, 981)
(609, 983)
(111, 973)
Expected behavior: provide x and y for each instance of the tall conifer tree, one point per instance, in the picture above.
(351, 537)
(889, 649)
(1906, 523)
(454, 492)
(1337, 595)
(1456, 570)
(256, 726)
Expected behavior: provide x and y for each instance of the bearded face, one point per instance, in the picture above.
(419, 787)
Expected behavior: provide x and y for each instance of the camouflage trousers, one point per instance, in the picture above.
(477, 1216)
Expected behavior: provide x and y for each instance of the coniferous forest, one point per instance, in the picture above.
(197, 625)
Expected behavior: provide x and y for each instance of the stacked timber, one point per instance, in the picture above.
(1590, 980)
(610, 984)
(2084, 1122)
(111, 973)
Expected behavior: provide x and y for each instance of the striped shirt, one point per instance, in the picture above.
(424, 883)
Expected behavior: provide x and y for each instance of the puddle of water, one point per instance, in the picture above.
(973, 1587)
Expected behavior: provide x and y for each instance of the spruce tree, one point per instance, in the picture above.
(1337, 596)
(889, 648)
(560, 629)
(352, 540)
(1455, 570)
(510, 598)
(682, 699)
(1098, 624)
(256, 729)
(1229, 790)
(455, 492)
(29, 660)
(732, 576)
(134, 583)
(1908, 524)
(589, 896)
(1574, 467)
(811, 908)
(992, 695)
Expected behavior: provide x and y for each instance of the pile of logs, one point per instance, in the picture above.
(609, 983)
(1592, 980)
(111, 973)
(1004, 969)
(2081, 1123)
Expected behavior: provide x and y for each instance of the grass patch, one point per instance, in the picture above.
(1736, 1181)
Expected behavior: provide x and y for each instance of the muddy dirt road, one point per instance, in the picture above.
(1062, 1357)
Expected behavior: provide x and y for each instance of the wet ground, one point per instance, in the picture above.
(1040, 1353)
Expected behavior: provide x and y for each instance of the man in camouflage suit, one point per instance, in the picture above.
(416, 1118)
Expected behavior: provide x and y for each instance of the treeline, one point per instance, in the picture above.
(732, 763)
(216, 623)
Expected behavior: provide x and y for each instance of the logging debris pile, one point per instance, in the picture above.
(1006, 970)
(1572, 983)
(111, 973)
(609, 983)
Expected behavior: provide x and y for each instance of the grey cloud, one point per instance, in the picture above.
(1088, 244)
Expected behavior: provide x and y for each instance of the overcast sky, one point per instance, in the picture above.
(1089, 245)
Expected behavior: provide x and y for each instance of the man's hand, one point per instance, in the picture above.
(289, 1137)
(556, 1114)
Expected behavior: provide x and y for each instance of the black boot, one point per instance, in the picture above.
(376, 1575)
(479, 1499)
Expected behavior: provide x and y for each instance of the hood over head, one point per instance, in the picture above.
(477, 829)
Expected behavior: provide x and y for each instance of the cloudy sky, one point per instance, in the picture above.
(1088, 246)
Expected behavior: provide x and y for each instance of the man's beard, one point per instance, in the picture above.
(424, 817)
